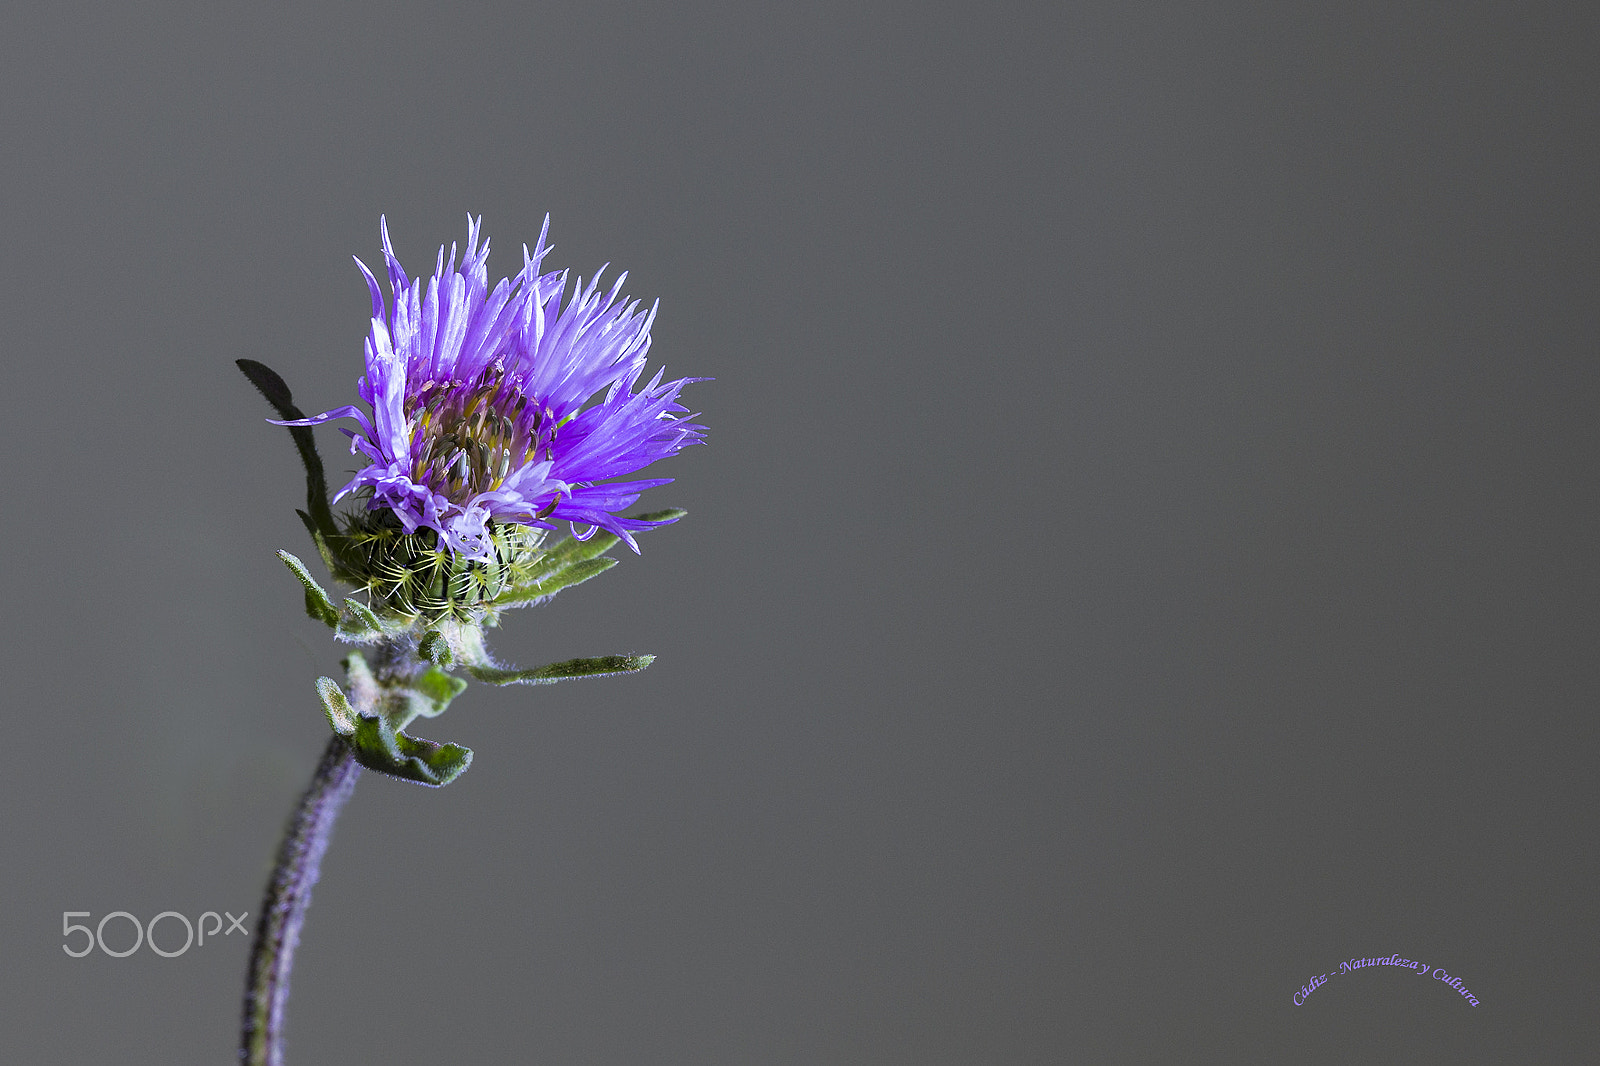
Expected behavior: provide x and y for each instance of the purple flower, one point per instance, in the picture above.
(481, 401)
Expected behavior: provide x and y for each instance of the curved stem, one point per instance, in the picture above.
(283, 911)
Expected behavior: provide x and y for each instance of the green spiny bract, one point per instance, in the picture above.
(413, 576)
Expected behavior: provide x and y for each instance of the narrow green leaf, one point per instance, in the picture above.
(576, 574)
(439, 688)
(603, 666)
(271, 386)
(318, 605)
(466, 645)
(379, 747)
(671, 514)
(328, 550)
(358, 624)
(434, 648)
(570, 550)
(362, 612)
(341, 716)
(354, 630)
(364, 691)
(402, 706)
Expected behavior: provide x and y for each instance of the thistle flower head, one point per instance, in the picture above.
(508, 406)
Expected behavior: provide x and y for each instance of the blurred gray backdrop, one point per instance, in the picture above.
(1144, 554)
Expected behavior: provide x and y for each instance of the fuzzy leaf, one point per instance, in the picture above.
(570, 550)
(324, 548)
(341, 716)
(402, 706)
(357, 672)
(671, 514)
(434, 648)
(379, 747)
(466, 645)
(318, 605)
(355, 630)
(603, 666)
(271, 386)
(358, 624)
(439, 688)
(364, 691)
(363, 614)
(575, 574)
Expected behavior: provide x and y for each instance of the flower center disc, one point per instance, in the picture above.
(469, 436)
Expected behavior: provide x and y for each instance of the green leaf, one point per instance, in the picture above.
(435, 648)
(364, 690)
(358, 624)
(325, 548)
(341, 716)
(318, 605)
(575, 574)
(603, 666)
(671, 514)
(354, 630)
(439, 688)
(265, 379)
(570, 550)
(571, 562)
(271, 386)
(379, 747)
(368, 617)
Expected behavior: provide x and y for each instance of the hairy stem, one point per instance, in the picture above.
(283, 911)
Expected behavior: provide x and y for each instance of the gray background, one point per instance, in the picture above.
(1143, 557)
